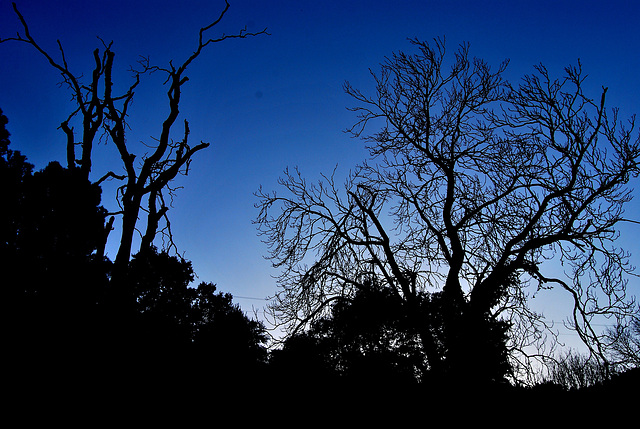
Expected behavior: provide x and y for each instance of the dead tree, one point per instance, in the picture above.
(89, 105)
(145, 176)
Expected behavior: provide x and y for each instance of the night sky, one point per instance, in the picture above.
(271, 102)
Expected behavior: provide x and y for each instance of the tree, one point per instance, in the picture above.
(159, 284)
(473, 188)
(14, 168)
(51, 253)
(142, 300)
(366, 339)
(178, 327)
(625, 340)
(223, 335)
(574, 372)
(150, 175)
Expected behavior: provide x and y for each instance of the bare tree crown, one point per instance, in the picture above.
(473, 186)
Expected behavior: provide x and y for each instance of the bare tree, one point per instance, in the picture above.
(625, 340)
(474, 185)
(86, 97)
(149, 175)
(573, 371)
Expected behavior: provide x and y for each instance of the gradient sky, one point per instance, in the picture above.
(275, 101)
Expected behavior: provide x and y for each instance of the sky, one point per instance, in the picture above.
(277, 101)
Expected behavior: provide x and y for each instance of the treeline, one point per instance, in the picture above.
(68, 321)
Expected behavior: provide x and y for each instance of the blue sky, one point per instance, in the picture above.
(275, 101)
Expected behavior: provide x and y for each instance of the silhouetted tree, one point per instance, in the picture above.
(473, 185)
(56, 236)
(150, 175)
(224, 336)
(160, 286)
(14, 168)
(366, 339)
(176, 326)
(304, 359)
(574, 371)
(625, 351)
(60, 320)
(53, 273)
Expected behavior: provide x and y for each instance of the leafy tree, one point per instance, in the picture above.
(61, 228)
(365, 339)
(176, 325)
(160, 285)
(14, 168)
(473, 186)
(222, 334)
(53, 271)
(55, 292)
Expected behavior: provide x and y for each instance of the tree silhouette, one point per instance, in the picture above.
(625, 340)
(473, 186)
(365, 340)
(53, 271)
(573, 371)
(148, 176)
(159, 284)
(223, 336)
(176, 326)
(14, 168)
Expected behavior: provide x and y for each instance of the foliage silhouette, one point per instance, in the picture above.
(50, 263)
(223, 334)
(366, 339)
(181, 337)
(370, 339)
(574, 372)
(197, 324)
(13, 170)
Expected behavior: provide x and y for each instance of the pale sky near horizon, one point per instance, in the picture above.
(272, 102)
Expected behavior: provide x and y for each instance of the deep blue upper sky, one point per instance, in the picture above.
(274, 101)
